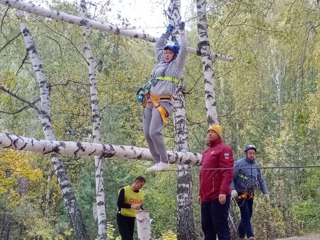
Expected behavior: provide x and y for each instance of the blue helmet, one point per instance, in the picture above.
(173, 46)
(250, 146)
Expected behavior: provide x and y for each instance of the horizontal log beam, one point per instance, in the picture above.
(91, 149)
(102, 26)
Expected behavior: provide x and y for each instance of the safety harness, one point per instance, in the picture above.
(246, 195)
(249, 192)
(144, 95)
(154, 99)
(169, 79)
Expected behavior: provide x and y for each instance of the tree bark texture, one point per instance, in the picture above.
(143, 225)
(185, 222)
(91, 149)
(96, 130)
(44, 115)
(204, 49)
(31, 8)
(209, 78)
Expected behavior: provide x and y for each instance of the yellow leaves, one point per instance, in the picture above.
(169, 235)
(16, 165)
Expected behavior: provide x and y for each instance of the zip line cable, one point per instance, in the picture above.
(267, 167)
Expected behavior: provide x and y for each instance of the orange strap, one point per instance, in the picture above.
(163, 112)
(246, 195)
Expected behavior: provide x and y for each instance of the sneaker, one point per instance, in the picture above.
(251, 238)
(163, 166)
(153, 168)
(158, 167)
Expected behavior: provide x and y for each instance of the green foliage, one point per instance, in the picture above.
(269, 96)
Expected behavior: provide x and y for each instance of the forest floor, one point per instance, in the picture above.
(310, 237)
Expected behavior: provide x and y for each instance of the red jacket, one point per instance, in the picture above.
(214, 181)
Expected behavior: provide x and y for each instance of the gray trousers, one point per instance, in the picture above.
(152, 127)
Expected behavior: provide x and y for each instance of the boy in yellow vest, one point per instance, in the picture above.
(130, 200)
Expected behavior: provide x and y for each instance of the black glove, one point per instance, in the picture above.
(181, 25)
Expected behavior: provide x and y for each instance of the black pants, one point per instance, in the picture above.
(126, 226)
(214, 220)
(245, 227)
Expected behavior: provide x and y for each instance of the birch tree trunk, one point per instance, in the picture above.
(185, 223)
(95, 113)
(91, 149)
(45, 119)
(31, 8)
(143, 225)
(204, 49)
(209, 79)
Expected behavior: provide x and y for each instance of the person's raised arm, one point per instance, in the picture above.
(183, 47)
(161, 43)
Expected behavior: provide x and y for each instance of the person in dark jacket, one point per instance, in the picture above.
(215, 178)
(246, 178)
(130, 200)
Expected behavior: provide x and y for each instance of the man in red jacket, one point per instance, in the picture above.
(215, 178)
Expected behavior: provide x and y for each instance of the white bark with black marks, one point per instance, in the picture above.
(44, 115)
(209, 78)
(96, 130)
(204, 49)
(91, 149)
(102, 26)
(185, 222)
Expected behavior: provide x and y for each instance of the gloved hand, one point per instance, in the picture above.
(136, 206)
(234, 194)
(170, 28)
(181, 25)
(266, 197)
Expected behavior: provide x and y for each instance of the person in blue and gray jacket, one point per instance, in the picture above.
(247, 177)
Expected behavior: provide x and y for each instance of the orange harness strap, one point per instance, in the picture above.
(163, 112)
(246, 195)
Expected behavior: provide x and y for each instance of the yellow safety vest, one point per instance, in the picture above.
(131, 197)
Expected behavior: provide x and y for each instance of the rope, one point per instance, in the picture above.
(267, 167)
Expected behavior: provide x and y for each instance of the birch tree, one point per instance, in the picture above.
(95, 114)
(209, 78)
(206, 58)
(185, 223)
(91, 149)
(45, 119)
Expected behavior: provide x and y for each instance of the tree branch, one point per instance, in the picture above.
(29, 104)
(7, 43)
(5, 13)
